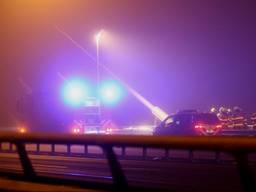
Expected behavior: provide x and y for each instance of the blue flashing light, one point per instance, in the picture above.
(110, 92)
(75, 92)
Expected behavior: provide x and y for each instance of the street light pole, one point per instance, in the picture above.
(97, 60)
(98, 37)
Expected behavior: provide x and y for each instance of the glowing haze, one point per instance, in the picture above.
(177, 54)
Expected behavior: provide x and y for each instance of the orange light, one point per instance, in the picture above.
(22, 130)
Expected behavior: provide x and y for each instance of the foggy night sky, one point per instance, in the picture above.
(179, 54)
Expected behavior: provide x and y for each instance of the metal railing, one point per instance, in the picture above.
(238, 147)
(239, 132)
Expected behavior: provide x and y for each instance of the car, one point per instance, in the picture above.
(189, 123)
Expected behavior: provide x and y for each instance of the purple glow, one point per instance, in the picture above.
(110, 92)
(178, 55)
(75, 92)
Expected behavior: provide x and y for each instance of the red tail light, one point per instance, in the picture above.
(199, 126)
(76, 130)
(218, 126)
(207, 129)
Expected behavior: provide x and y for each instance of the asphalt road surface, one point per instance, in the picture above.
(200, 174)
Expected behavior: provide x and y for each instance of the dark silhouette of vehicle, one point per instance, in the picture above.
(189, 123)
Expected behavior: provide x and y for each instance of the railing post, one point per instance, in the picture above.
(123, 152)
(118, 176)
(11, 147)
(191, 155)
(104, 152)
(37, 147)
(144, 152)
(25, 161)
(86, 149)
(53, 148)
(166, 154)
(68, 149)
(217, 156)
(245, 172)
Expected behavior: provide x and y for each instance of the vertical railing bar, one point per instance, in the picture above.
(191, 155)
(104, 152)
(144, 152)
(68, 149)
(37, 147)
(245, 172)
(86, 150)
(118, 175)
(26, 164)
(217, 156)
(52, 148)
(167, 153)
(11, 147)
(123, 151)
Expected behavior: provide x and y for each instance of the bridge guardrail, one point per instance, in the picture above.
(239, 132)
(238, 147)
